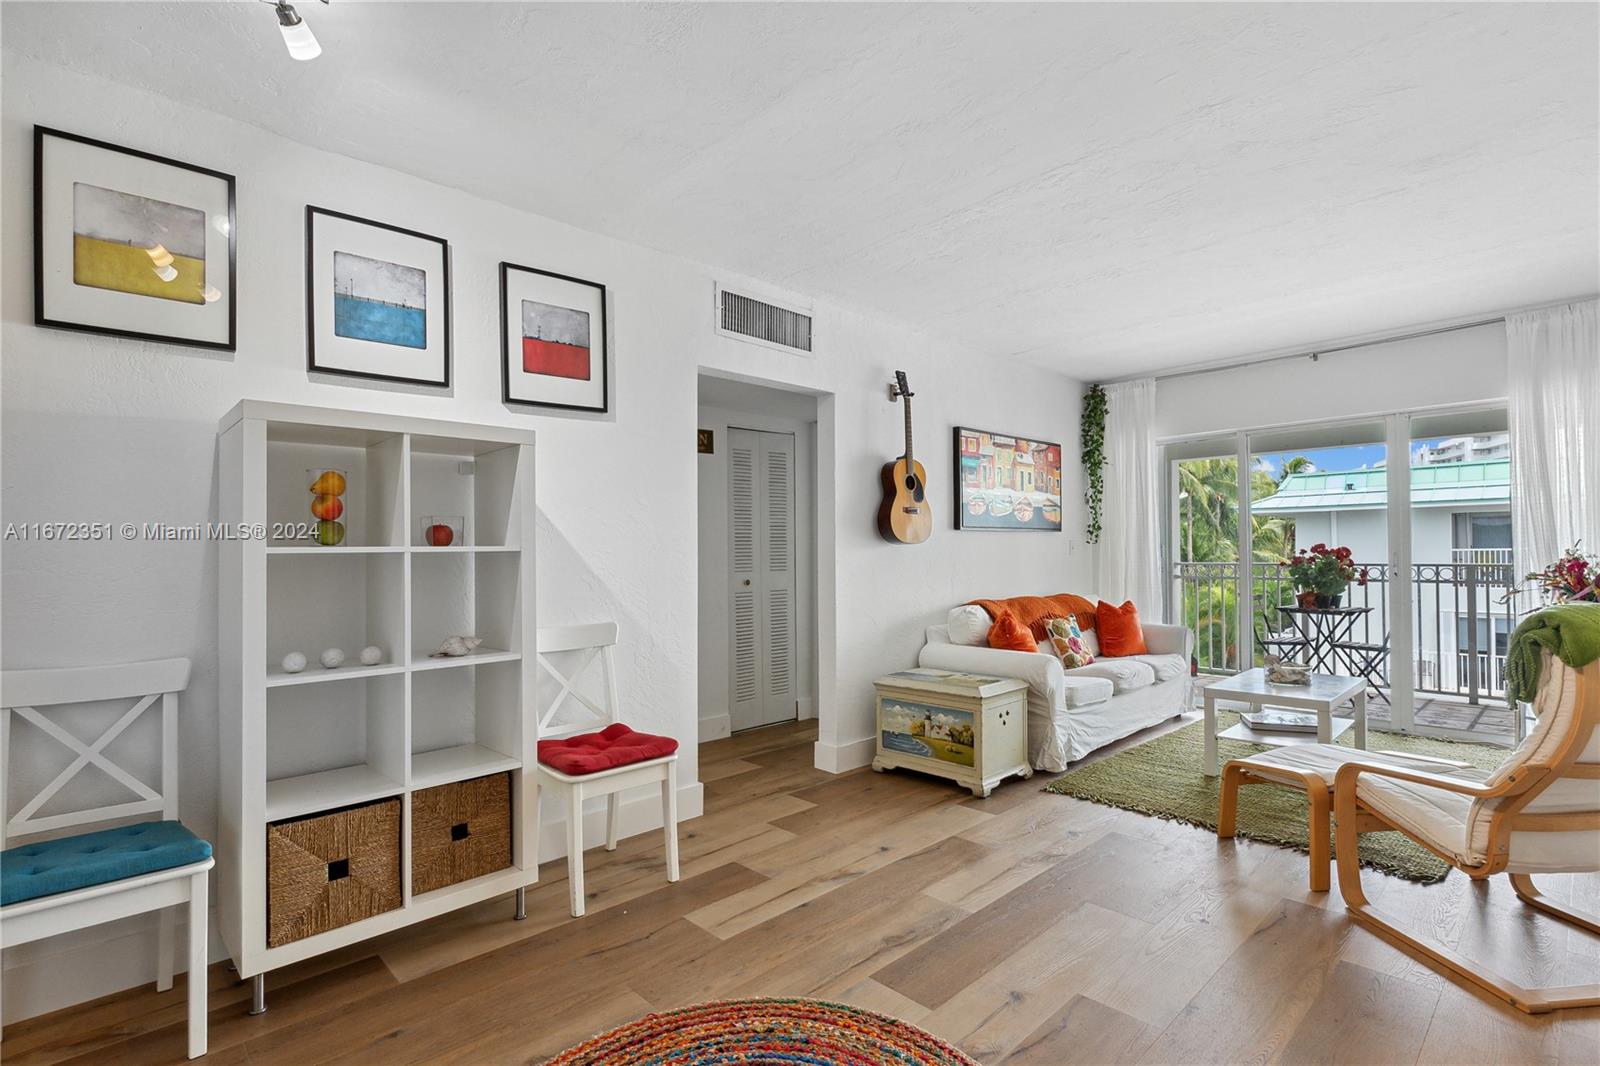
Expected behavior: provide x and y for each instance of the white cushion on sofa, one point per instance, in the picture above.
(1125, 674)
(969, 624)
(1084, 691)
(1166, 667)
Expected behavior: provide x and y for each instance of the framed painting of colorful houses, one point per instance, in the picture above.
(1006, 482)
(131, 244)
(552, 340)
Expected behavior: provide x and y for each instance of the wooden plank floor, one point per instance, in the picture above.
(1027, 928)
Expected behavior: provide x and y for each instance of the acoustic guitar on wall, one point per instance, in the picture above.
(904, 517)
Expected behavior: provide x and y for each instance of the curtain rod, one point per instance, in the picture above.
(1263, 360)
(1313, 353)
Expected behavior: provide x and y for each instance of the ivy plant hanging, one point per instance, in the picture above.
(1092, 445)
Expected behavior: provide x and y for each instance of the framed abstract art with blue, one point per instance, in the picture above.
(377, 300)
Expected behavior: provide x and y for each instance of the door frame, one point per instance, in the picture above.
(818, 696)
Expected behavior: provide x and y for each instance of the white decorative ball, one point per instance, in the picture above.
(293, 663)
(332, 657)
(371, 655)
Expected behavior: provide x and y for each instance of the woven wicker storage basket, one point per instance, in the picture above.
(460, 831)
(328, 870)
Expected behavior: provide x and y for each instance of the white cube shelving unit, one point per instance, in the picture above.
(319, 740)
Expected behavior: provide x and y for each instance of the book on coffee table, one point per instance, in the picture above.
(1279, 720)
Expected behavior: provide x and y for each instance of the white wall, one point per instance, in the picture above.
(887, 594)
(1460, 367)
(100, 429)
(724, 405)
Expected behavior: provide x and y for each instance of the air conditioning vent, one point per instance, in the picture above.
(766, 323)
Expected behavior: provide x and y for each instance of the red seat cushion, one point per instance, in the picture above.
(615, 745)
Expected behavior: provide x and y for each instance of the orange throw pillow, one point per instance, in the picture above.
(1008, 634)
(1119, 630)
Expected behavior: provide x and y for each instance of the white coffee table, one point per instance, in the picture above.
(1324, 695)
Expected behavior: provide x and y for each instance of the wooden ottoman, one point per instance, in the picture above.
(1311, 769)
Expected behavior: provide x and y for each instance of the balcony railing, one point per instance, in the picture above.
(1461, 622)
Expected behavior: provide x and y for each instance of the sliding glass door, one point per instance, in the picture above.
(1419, 507)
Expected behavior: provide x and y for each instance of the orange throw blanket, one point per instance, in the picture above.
(1035, 611)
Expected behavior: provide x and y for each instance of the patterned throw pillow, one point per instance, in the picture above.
(1070, 643)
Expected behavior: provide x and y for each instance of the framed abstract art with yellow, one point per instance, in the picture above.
(131, 244)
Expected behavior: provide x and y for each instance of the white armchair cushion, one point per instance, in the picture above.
(1434, 814)
(969, 624)
(1450, 822)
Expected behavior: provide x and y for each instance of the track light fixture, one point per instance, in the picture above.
(297, 36)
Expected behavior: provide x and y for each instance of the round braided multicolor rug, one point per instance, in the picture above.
(748, 1032)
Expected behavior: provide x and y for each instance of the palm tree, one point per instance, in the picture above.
(1300, 464)
(1212, 519)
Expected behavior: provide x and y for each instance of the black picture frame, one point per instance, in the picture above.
(312, 367)
(43, 319)
(505, 343)
(959, 496)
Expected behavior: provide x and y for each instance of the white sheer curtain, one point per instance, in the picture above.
(1554, 365)
(1128, 559)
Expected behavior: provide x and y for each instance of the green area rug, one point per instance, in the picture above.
(1162, 777)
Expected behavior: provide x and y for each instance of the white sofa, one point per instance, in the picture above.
(1073, 712)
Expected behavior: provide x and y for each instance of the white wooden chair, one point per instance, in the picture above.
(73, 882)
(1539, 812)
(596, 643)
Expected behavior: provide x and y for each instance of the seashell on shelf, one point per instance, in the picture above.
(333, 658)
(293, 663)
(371, 655)
(454, 647)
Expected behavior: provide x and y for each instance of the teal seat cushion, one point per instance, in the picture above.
(69, 863)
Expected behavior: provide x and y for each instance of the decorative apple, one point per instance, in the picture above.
(327, 508)
(440, 535)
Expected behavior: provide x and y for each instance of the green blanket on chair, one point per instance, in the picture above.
(1569, 631)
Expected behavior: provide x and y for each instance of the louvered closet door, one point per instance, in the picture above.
(761, 559)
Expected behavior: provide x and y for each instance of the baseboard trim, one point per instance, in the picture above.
(838, 758)
(715, 727)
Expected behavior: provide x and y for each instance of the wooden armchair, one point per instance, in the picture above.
(1538, 813)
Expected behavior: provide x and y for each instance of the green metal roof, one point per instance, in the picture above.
(1479, 483)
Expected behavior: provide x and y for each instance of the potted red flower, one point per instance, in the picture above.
(1322, 574)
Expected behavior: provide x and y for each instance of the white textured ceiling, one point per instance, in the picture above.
(1103, 188)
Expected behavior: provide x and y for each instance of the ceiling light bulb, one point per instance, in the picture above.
(297, 35)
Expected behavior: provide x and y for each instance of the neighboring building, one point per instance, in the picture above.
(1457, 508)
(1477, 448)
(1460, 546)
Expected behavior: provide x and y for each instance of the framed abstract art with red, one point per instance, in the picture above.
(553, 340)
